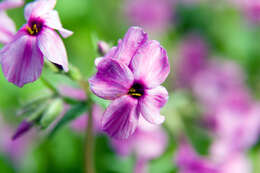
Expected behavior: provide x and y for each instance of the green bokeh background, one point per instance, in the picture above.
(226, 30)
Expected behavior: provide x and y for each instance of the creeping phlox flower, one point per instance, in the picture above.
(148, 142)
(130, 75)
(7, 26)
(189, 161)
(22, 58)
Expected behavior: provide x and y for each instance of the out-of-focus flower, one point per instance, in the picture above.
(190, 162)
(150, 14)
(215, 81)
(193, 54)
(8, 4)
(148, 142)
(131, 77)
(22, 58)
(15, 149)
(7, 26)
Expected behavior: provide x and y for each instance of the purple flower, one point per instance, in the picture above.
(193, 54)
(150, 14)
(7, 26)
(148, 142)
(22, 58)
(131, 77)
(8, 4)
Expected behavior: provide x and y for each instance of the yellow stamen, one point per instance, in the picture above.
(35, 28)
(136, 94)
(29, 30)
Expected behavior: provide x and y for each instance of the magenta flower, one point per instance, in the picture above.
(150, 14)
(7, 26)
(148, 142)
(22, 58)
(131, 76)
(193, 57)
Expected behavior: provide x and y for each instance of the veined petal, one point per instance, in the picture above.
(121, 117)
(7, 28)
(110, 54)
(22, 60)
(113, 79)
(134, 38)
(38, 8)
(151, 103)
(7, 4)
(52, 47)
(150, 64)
(52, 20)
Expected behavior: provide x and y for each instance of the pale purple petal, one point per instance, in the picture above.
(112, 80)
(52, 47)
(121, 118)
(7, 4)
(150, 105)
(38, 8)
(52, 20)
(7, 28)
(134, 38)
(150, 64)
(22, 60)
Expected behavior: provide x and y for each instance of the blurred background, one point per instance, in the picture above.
(213, 113)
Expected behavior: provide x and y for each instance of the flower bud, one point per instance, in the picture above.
(103, 48)
(52, 112)
(24, 127)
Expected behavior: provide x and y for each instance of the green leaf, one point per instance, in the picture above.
(73, 113)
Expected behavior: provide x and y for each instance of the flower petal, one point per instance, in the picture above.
(38, 8)
(53, 48)
(52, 20)
(121, 118)
(7, 4)
(151, 103)
(150, 64)
(22, 60)
(7, 28)
(112, 80)
(134, 38)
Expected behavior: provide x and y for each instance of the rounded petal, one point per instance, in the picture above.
(52, 20)
(7, 4)
(134, 38)
(38, 8)
(121, 118)
(150, 64)
(52, 47)
(113, 79)
(22, 60)
(7, 28)
(151, 103)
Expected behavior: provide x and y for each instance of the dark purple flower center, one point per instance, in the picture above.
(34, 27)
(136, 91)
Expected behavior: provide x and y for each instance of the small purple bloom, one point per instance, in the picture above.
(131, 76)
(193, 56)
(150, 14)
(7, 26)
(22, 58)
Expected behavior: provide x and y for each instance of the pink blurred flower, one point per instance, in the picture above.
(215, 81)
(7, 26)
(150, 14)
(189, 161)
(131, 77)
(14, 149)
(148, 142)
(22, 58)
(193, 56)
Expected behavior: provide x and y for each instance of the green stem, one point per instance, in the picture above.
(49, 85)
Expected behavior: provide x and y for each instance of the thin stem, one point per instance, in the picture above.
(89, 152)
(49, 85)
